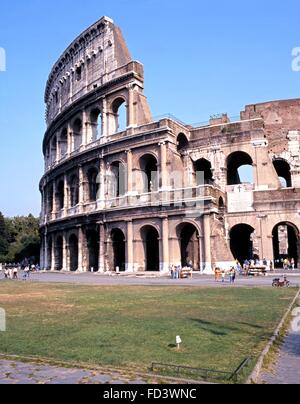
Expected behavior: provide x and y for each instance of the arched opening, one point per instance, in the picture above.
(241, 242)
(60, 195)
(73, 248)
(188, 236)
(54, 150)
(239, 169)
(120, 114)
(93, 184)
(148, 165)
(283, 170)
(59, 254)
(118, 243)
(203, 170)
(96, 123)
(182, 142)
(74, 191)
(93, 250)
(286, 244)
(77, 134)
(118, 180)
(63, 144)
(150, 239)
(221, 206)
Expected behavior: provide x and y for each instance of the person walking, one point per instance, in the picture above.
(15, 273)
(223, 276)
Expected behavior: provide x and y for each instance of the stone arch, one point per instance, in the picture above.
(235, 162)
(63, 143)
(283, 170)
(73, 252)
(151, 245)
(241, 242)
(286, 243)
(96, 123)
(203, 172)
(182, 142)
(60, 195)
(93, 183)
(119, 249)
(74, 190)
(188, 236)
(149, 168)
(119, 113)
(58, 251)
(117, 183)
(77, 133)
(92, 237)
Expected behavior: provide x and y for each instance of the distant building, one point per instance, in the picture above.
(145, 194)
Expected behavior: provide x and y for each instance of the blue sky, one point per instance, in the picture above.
(201, 58)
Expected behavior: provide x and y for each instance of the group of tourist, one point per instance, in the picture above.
(223, 275)
(289, 264)
(12, 271)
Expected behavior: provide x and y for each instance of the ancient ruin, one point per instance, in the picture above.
(124, 191)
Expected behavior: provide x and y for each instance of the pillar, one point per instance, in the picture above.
(165, 245)
(131, 121)
(85, 128)
(129, 173)
(65, 253)
(53, 255)
(45, 263)
(81, 267)
(81, 189)
(104, 128)
(70, 140)
(101, 194)
(207, 243)
(66, 195)
(54, 200)
(129, 261)
(163, 166)
(101, 248)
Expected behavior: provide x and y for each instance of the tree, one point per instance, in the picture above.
(3, 238)
(21, 238)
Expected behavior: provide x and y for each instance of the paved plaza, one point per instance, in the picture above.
(154, 280)
(286, 370)
(13, 372)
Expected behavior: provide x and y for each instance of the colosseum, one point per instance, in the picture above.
(123, 191)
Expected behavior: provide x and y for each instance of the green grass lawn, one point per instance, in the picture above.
(134, 326)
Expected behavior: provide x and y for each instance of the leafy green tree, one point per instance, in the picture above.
(21, 235)
(3, 238)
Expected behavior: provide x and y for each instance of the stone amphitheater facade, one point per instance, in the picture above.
(155, 193)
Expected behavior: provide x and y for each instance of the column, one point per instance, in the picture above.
(129, 173)
(66, 195)
(101, 193)
(101, 248)
(130, 107)
(81, 189)
(54, 200)
(104, 119)
(45, 263)
(207, 243)
(53, 255)
(70, 140)
(163, 166)
(165, 244)
(65, 253)
(80, 249)
(85, 124)
(129, 263)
